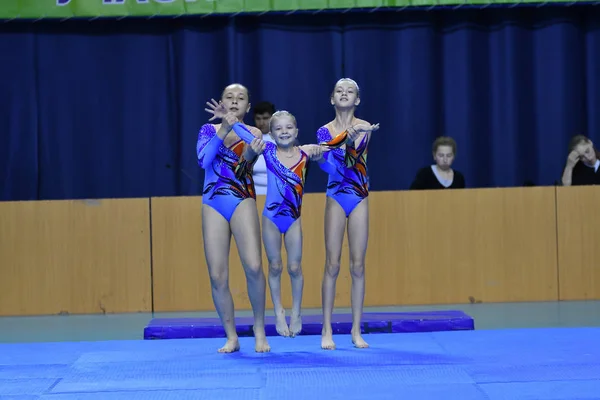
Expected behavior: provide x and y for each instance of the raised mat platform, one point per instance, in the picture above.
(432, 321)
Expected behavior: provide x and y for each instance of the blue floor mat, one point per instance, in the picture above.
(540, 364)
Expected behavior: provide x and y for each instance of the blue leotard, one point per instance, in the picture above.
(228, 176)
(348, 183)
(285, 186)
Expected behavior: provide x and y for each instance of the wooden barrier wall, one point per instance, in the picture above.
(431, 247)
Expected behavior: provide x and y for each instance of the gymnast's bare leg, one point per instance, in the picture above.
(358, 237)
(217, 236)
(246, 232)
(272, 242)
(335, 226)
(293, 248)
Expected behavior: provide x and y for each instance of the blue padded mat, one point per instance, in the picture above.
(391, 322)
(540, 364)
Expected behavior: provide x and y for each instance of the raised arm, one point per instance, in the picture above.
(326, 162)
(318, 154)
(349, 137)
(254, 148)
(243, 132)
(324, 139)
(209, 141)
(572, 160)
(361, 128)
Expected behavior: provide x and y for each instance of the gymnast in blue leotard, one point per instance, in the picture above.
(346, 204)
(286, 165)
(229, 207)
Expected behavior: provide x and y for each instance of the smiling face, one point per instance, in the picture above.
(345, 94)
(283, 129)
(235, 99)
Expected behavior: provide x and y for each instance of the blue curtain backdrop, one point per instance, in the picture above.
(107, 109)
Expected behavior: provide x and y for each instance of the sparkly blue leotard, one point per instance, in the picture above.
(285, 186)
(227, 177)
(348, 182)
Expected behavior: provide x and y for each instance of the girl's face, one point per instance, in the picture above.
(345, 95)
(284, 130)
(235, 99)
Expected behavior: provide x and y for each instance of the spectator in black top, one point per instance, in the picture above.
(582, 163)
(440, 175)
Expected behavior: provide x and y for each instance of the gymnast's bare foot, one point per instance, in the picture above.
(231, 346)
(295, 324)
(327, 342)
(261, 345)
(281, 325)
(358, 340)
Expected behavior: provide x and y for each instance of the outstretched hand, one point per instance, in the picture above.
(217, 110)
(314, 151)
(359, 129)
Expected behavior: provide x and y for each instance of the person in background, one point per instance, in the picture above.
(440, 175)
(262, 115)
(582, 163)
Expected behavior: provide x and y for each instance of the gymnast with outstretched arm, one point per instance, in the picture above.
(286, 165)
(346, 205)
(229, 207)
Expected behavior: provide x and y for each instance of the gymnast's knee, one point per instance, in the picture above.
(219, 279)
(253, 270)
(357, 269)
(275, 268)
(332, 269)
(294, 269)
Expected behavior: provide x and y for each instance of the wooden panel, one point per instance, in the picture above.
(429, 247)
(484, 245)
(76, 257)
(179, 269)
(578, 242)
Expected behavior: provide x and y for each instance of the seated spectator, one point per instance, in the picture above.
(440, 175)
(582, 163)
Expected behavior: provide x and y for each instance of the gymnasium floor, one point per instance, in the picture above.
(518, 351)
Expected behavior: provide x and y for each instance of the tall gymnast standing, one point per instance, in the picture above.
(346, 205)
(286, 165)
(229, 207)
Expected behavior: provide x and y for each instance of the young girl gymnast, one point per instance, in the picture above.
(286, 164)
(229, 208)
(346, 207)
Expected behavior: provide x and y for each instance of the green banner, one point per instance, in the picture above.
(36, 9)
